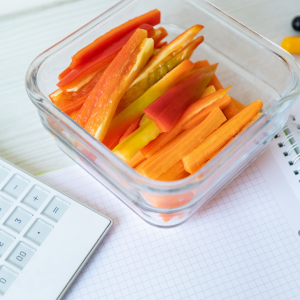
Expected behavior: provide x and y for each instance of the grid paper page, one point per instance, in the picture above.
(239, 246)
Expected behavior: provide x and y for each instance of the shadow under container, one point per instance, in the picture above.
(255, 67)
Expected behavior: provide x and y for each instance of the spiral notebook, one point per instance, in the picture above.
(244, 244)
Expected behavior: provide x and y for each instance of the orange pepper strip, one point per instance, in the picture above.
(176, 172)
(214, 81)
(115, 81)
(206, 104)
(152, 17)
(155, 167)
(201, 154)
(59, 95)
(163, 34)
(69, 107)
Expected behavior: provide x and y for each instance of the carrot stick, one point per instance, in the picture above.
(206, 104)
(137, 159)
(214, 81)
(198, 118)
(191, 140)
(238, 104)
(251, 122)
(202, 153)
(230, 110)
(176, 172)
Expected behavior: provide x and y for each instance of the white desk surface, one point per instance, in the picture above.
(23, 140)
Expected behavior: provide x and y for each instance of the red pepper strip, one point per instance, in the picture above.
(131, 129)
(99, 61)
(64, 73)
(168, 108)
(152, 17)
(64, 96)
(162, 35)
(68, 106)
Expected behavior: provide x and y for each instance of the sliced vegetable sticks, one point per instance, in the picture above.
(191, 140)
(178, 43)
(165, 66)
(230, 110)
(196, 158)
(120, 123)
(169, 107)
(152, 17)
(116, 79)
(193, 116)
(176, 172)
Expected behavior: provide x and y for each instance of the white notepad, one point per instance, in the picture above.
(244, 244)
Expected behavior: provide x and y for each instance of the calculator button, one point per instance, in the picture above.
(3, 173)
(15, 186)
(21, 255)
(18, 219)
(4, 206)
(38, 231)
(55, 209)
(5, 241)
(35, 197)
(7, 277)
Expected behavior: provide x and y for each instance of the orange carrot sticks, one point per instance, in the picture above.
(176, 172)
(202, 153)
(196, 135)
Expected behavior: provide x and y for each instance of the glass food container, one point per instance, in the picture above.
(257, 69)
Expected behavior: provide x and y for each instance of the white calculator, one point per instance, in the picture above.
(46, 237)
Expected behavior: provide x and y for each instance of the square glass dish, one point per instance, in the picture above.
(255, 67)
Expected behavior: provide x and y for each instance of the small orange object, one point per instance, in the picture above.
(230, 110)
(291, 44)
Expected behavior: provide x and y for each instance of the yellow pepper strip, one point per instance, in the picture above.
(131, 145)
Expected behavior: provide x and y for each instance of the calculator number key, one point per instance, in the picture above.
(21, 255)
(38, 231)
(35, 197)
(15, 186)
(4, 206)
(7, 277)
(55, 209)
(18, 219)
(5, 241)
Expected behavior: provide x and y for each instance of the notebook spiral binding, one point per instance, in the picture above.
(289, 136)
